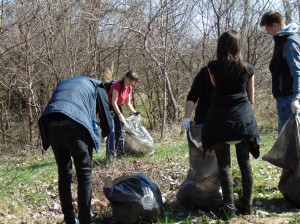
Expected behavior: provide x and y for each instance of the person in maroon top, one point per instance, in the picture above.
(118, 95)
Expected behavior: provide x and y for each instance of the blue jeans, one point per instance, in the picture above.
(67, 141)
(115, 140)
(284, 110)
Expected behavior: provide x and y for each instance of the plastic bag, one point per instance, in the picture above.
(289, 186)
(201, 189)
(285, 151)
(133, 198)
(137, 139)
(285, 154)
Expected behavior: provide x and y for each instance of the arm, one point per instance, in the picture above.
(212, 79)
(188, 108)
(250, 89)
(192, 98)
(114, 102)
(194, 94)
(129, 104)
(199, 92)
(291, 52)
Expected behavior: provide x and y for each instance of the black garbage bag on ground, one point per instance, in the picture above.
(137, 139)
(285, 153)
(133, 198)
(289, 186)
(201, 189)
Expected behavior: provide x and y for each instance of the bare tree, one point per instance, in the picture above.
(297, 7)
(166, 42)
(288, 10)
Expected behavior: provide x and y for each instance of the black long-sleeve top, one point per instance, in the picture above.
(200, 93)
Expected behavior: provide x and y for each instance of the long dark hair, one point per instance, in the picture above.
(229, 55)
(130, 75)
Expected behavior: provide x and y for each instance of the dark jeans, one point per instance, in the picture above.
(115, 140)
(119, 136)
(110, 144)
(224, 163)
(73, 140)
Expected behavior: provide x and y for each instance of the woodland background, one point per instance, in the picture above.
(165, 41)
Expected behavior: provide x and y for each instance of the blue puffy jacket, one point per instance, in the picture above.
(77, 98)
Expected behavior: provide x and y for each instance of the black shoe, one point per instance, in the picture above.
(120, 155)
(226, 212)
(110, 159)
(244, 208)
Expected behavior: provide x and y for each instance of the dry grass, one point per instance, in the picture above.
(29, 190)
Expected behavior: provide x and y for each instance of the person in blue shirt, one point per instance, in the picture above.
(69, 125)
(284, 65)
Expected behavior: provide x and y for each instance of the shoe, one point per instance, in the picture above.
(120, 155)
(244, 208)
(110, 159)
(226, 213)
(71, 221)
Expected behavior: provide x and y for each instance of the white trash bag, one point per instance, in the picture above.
(137, 139)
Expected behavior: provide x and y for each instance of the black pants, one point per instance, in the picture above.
(224, 163)
(69, 139)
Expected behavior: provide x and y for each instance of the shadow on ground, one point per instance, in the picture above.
(273, 205)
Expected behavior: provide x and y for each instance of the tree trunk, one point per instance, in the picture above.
(287, 11)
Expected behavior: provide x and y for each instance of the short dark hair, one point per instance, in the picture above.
(271, 17)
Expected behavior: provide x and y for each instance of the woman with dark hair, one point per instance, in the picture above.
(230, 120)
(119, 94)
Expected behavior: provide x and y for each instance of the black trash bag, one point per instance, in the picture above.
(137, 139)
(285, 153)
(133, 198)
(289, 186)
(201, 189)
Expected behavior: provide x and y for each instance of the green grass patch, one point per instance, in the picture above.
(29, 184)
(25, 182)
